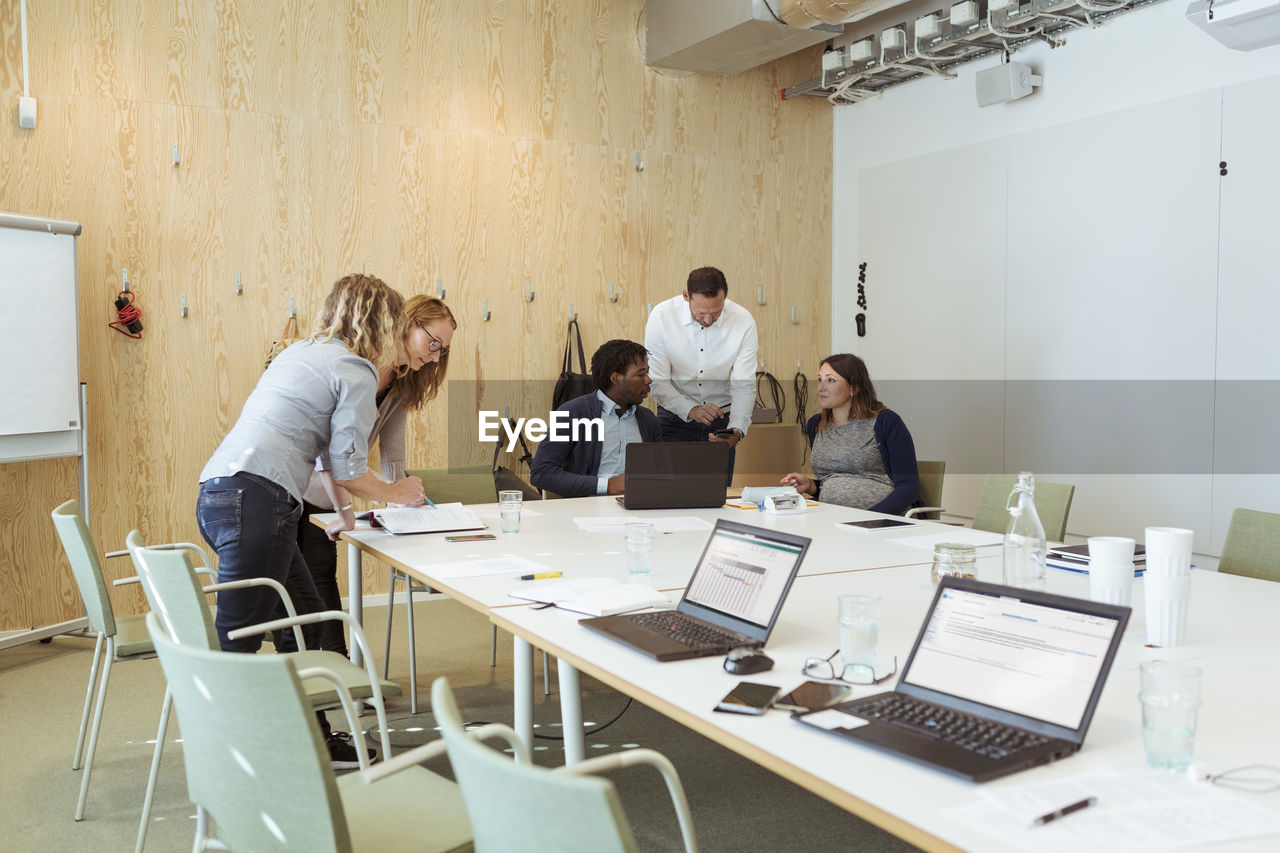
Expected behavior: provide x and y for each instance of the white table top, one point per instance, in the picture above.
(552, 538)
(1230, 635)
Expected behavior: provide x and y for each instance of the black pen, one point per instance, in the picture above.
(1064, 811)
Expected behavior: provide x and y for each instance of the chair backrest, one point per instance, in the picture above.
(255, 760)
(85, 566)
(1252, 548)
(509, 804)
(468, 484)
(174, 592)
(1053, 505)
(931, 484)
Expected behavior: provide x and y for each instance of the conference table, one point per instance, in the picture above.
(1228, 635)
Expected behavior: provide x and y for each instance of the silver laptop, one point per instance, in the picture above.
(1000, 679)
(733, 598)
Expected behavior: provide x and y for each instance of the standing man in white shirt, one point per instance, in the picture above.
(702, 360)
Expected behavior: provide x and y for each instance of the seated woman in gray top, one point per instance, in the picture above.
(416, 381)
(862, 453)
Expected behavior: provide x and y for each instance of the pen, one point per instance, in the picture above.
(540, 576)
(428, 500)
(1064, 811)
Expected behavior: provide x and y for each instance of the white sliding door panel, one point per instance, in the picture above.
(1113, 226)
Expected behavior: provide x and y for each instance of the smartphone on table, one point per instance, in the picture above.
(749, 697)
(812, 695)
(470, 537)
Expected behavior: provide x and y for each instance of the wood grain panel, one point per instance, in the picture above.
(484, 143)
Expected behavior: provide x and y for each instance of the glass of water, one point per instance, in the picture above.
(510, 504)
(1170, 703)
(859, 631)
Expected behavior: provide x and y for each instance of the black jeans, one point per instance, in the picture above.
(253, 525)
(321, 557)
(674, 428)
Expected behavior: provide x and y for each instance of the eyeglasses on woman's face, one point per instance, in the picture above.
(435, 345)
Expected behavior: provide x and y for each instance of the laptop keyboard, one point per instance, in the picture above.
(685, 630)
(983, 737)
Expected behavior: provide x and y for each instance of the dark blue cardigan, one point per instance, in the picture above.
(569, 468)
(897, 452)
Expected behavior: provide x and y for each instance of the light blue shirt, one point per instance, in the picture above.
(619, 431)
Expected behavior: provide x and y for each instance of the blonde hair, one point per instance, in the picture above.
(416, 387)
(366, 315)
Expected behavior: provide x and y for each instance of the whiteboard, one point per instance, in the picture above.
(41, 416)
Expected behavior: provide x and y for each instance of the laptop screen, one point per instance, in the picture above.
(1032, 659)
(744, 574)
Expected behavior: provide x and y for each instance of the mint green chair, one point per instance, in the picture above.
(1252, 548)
(1053, 505)
(931, 474)
(174, 592)
(259, 773)
(518, 806)
(117, 639)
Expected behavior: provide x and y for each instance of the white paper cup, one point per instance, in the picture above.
(1167, 602)
(1111, 583)
(1110, 550)
(1168, 551)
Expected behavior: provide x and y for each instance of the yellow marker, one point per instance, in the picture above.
(540, 576)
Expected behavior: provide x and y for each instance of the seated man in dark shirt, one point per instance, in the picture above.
(575, 468)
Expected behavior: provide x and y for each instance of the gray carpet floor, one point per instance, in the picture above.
(737, 806)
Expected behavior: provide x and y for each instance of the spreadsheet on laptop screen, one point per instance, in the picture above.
(1032, 659)
(743, 575)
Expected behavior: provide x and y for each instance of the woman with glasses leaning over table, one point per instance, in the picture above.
(415, 379)
(862, 453)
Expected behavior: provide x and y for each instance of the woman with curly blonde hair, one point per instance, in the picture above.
(413, 379)
(314, 407)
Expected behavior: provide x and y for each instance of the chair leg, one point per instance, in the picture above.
(97, 724)
(493, 647)
(413, 651)
(391, 609)
(88, 702)
(202, 830)
(546, 676)
(155, 771)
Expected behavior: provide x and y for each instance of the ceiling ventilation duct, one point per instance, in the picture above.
(730, 36)
(1238, 24)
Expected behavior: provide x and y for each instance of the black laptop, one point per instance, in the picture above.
(733, 598)
(1000, 679)
(675, 475)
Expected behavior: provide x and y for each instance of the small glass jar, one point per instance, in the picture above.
(953, 558)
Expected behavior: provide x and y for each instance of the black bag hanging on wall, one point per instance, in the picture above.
(571, 384)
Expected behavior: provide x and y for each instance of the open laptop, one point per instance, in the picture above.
(733, 598)
(675, 475)
(1000, 679)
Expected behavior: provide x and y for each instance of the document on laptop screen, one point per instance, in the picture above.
(1031, 659)
(743, 575)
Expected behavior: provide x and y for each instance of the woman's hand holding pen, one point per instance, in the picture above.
(407, 492)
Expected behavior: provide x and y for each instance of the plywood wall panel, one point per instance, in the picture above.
(484, 143)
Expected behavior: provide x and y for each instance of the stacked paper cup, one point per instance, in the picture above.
(1111, 569)
(1167, 584)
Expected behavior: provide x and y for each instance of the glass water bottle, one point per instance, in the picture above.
(1024, 542)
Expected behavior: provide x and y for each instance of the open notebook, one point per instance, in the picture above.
(593, 596)
(442, 518)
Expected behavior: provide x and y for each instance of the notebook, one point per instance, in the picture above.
(443, 518)
(593, 596)
(675, 475)
(733, 598)
(1000, 679)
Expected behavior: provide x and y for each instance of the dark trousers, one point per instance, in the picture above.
(321, 557)
(253, 525)
(675, 428)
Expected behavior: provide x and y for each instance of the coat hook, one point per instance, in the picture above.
(528, 291)
(176, 158)
(799, 366)
(639, 163)
(760, 300)
(124, 280)
(239, 284)
(762, 368)
(439, 289)
(613, 294)
(648, 308)
(795, 318)
(506, 413)
(293, 309)
(183, 300)
(573, 315)
(484, 310)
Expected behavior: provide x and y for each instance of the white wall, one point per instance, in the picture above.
(1137, 76)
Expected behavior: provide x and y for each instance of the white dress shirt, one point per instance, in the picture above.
(691, 364)
(619, 431)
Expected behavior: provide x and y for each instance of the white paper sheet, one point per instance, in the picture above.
(1137, 810)
(506, 564)
(492, 511)
(662, 524)
(963, 535)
